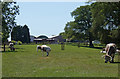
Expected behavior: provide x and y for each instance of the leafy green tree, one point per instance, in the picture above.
(26, 34)
(9, 12)
(16, 33)
(21, 33)
(62, 34)
(14, 42)
(105, 18)
(19, 43)
(73, 31)
(116, 36)
(81, 27)
(69, 30)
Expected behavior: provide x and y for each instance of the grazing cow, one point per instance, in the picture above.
(44, 48)
(11, 46)
(110, 50)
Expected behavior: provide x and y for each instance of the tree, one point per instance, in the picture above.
(105, 18)
(116, 36)
(81, 27)
(9, 12)
(26, 34)
(16, 33)
(69, 30)
(21, 33)
(73, 31)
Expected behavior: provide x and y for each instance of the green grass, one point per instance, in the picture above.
(71, 62)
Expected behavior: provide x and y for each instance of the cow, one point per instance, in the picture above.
(44, 48)
(110, 50)
(11, 46)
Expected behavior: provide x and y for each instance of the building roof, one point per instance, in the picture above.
(42, 37)
(54, 36)
(38, 39)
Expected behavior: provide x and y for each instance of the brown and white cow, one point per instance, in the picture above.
(44, 48)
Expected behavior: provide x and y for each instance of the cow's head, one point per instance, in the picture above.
(39, 47)
(103, 49)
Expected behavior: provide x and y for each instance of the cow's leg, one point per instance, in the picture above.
(112, 58)
(47, 53)
(107, 59)
(37, 49)
(112, 54)
(42, 53)
(11, 48)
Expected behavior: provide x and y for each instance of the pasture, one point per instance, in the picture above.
(71, 62)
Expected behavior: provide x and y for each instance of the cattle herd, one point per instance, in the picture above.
(109, 51)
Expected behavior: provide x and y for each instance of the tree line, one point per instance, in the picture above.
(97, 21)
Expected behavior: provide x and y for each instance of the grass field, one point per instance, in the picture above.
(71, 62)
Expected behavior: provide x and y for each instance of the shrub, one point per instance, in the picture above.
(19, 42)
(14, 42)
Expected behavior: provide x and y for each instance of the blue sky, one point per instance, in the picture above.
(46, 18)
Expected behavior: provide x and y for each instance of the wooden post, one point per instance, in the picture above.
(78, 44)
(62, 46)
(4, 47)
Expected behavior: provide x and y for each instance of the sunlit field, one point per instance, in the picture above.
(71, 62)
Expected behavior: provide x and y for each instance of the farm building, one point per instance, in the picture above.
(32, 38)
(51, 40)
(58, 39)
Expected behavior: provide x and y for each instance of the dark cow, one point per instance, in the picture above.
(110, 52)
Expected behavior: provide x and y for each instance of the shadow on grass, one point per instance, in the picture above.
(8, 51)
(93, 47)
(19, 48)
(116, 62)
